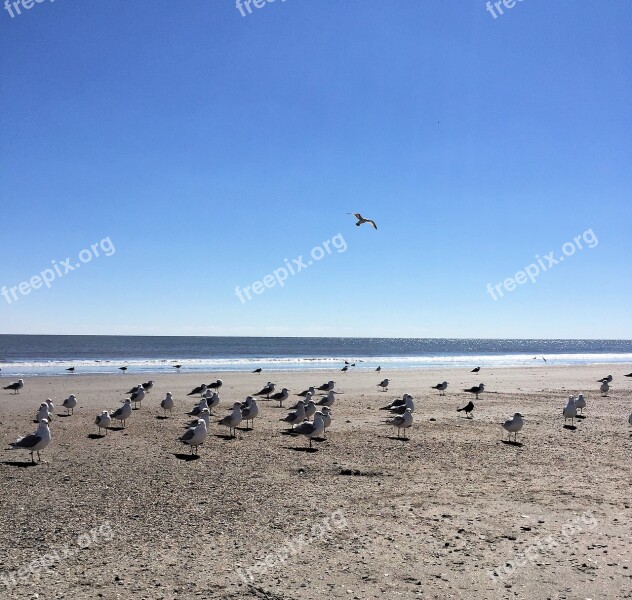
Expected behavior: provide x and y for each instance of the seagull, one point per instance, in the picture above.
(167, 403)
(43, 413)
(266, 390)
(384, 384)
(15, 387)
(148, 385)
(378, 369)
(310, 409)
(310, 390)
(198, 390)
(402, 408)
(468, 408)
(303, 402)
(397, 402)
(605, 379)
(628, 375)
(250, 412)
(327, 400)
(475, 370)
(362, 220)
(103, 421)
(177, 367)
(402, 421)
(203, 403)
(212, 399)
(233, 419)
(215, 385)
(51, 406)
(311, 429)
(514, 425)
(69, 404)
(580, 403)
(205, 415)
(327, 414)
(604, 388)
(477, 389)
(123, 369)
(124, 412)
(280, 396)
(442, 387)
(137, 396)
(570, 411)
(258, 370)
(327, 387)
(70, 369)
(296, 417)
(35, 442)
(195, 436)
(135, 389)
(345, 369)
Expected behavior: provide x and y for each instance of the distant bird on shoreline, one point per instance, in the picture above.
(15, 387)
(362, 220)
(123, 369)
(177, 367)
(475, 370)
(605, 379)
(378, 369)
(441, 387)
(477, 389)
(70, 369)
(258, 370)
(467, 409)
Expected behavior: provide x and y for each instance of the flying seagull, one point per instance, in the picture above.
(16, 387)
(467, 409)
(35, 442)
(477, 389)
(362, 220)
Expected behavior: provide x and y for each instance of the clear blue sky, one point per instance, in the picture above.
(209, 147)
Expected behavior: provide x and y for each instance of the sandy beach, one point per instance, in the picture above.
(363, 516)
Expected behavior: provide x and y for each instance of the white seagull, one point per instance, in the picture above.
(311, 429)
(195, 436)
(295, 417)
(202, 404)
(327, 400)
(212, 399)
(167, 403)
(580, 403)
(250, 411)
(205, 415)
(442, 387)
(137, 396)
(281, 396)
(43, 413)
(570, 410)
(514, 425)
(403, 421)
(233, 419)
(476, 390)
(327, 414)
(103, 421)
(35, 442)
(51, 406)
(69, 404)
(362, 220)
(124, 412)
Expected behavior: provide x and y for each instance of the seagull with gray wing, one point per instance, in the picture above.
(362, 220)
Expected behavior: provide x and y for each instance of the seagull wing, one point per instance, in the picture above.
(29, 441)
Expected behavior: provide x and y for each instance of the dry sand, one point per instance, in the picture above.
(380, 517)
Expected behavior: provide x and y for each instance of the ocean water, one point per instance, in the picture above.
(32, 355)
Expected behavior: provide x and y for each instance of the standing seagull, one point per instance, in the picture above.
(148, 385)
(233, 419)
(384, 384)
(605, 379)
(327, 387)
(362, 220)
(70, 369)
(200, 389)
(202, 404)
(15, 387)
(35, 442)
(43, 413)
(212, 399)
(123, 369)
(51, 406)
(280, 396)
(604, 388)
(103, 421)
(580, 403)
(311, 430)
(124, 412)
(468, 409)
(266, 390)
(327, 400)
(442, 387)
(177, 367)
(195, 436)
(514, 425)
(250, 412)
(167, 403)
(296, 417)
(310, 390)
(327, 414)
(570, 410)
(215, 385)
(475, 370)
(378, 369)
(69, 404)
(477, 389)
(258, 370)
(137, 396)
(402, 421)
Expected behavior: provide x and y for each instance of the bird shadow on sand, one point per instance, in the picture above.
(161, 418)
(187, 457)
(117, 428)
(301, 449)
(570, 427)
(512, 443)
(288, 432)
(225, 436)
(64, 416)
(401, 439)
(21, 465)
(580, 417)
(96, 436)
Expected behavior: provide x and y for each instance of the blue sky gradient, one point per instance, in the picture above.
(209, 147)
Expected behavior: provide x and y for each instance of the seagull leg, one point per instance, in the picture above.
(32, 459)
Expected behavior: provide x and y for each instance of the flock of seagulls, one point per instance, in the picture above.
(309, 417)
